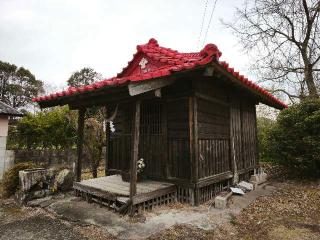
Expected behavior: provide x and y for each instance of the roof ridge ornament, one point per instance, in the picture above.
(153, 41)
(143, 62)
(211, 50)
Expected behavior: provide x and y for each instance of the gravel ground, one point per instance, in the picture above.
(38, 227)
(28, 223)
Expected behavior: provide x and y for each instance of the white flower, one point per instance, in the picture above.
(140, 165)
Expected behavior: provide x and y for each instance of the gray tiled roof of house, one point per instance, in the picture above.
(5, 109)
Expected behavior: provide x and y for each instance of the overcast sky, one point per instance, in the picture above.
(54, 38)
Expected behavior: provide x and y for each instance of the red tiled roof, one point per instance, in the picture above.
(252, 85)
(161, 62)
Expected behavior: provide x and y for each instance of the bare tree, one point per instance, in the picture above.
(283, 36)
(94, 140)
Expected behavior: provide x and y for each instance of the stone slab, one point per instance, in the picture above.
(247, 186)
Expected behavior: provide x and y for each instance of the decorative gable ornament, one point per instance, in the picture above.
(112, 128)
(143, 62)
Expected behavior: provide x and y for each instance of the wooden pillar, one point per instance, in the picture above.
(81, 113)
(106, 166)
(257, 150)
(195, 139)
(193, 146)
(135, 150)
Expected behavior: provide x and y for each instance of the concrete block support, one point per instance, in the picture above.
(257, 179)
(220, 202)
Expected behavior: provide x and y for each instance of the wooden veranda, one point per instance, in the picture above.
(113, 192)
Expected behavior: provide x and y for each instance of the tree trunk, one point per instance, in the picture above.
(95, 161)
(308, 77)
(308, 74)
(80, 130)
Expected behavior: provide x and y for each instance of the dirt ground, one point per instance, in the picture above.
(291, 211)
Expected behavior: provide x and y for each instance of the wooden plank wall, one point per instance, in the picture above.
(152, 146)
(249, 137)
(236, 132)
(224, 120)
(178, 165)
(120, 141)
(164, 138)
(213, 129)
(243, 132)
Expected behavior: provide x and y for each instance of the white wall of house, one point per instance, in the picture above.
(6, 156)
(4, 122)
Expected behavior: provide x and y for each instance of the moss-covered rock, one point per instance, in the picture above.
(11, 177)
(64, 180)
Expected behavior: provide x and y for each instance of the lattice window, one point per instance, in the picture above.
(151, 118)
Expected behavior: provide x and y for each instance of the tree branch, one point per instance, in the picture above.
(291, 96)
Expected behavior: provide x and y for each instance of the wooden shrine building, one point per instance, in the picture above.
(191, 118)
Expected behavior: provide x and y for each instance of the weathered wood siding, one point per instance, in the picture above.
(178, 165)
(152, 138)
(164, 138)
(213, 121)
(152, 147)
(224, 129)
(120, 141)
(243, 132)
(236, 132)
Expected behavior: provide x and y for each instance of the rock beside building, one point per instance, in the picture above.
(64, 180)
(40, 183)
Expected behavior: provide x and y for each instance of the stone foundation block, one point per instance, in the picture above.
(221, 201)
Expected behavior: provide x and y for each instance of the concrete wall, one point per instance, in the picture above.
(52, 157)
(6, 161)
(47, 157)
(6, 156)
